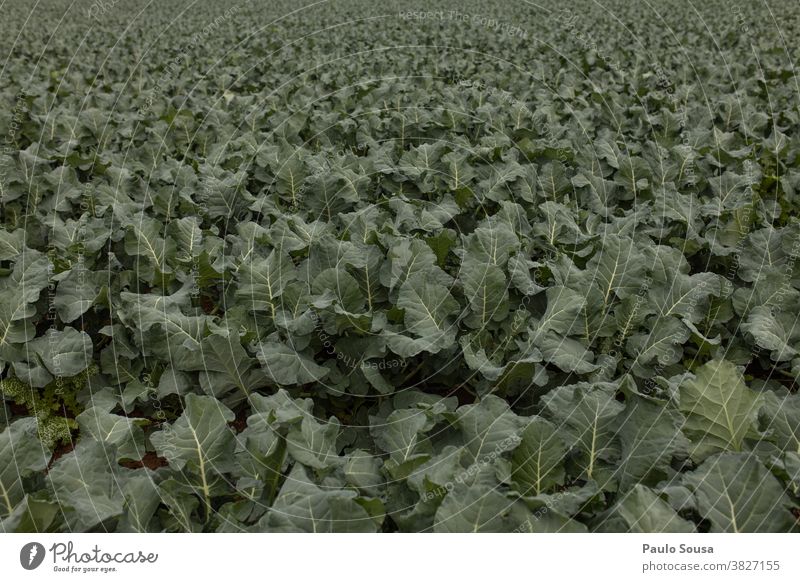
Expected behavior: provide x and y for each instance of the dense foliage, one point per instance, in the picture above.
(359, 266)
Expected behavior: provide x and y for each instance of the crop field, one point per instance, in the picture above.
(360, 266)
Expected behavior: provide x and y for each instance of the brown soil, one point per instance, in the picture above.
(150, 460)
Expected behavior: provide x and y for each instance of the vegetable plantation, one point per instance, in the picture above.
(350, 266)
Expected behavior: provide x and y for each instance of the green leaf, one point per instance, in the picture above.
(492, 244)
(228, 367)
(485, 289)
(642, 511)
(314, 444)
(262, 281)
(342, 287)
(87, 486)
(304, 507)
(719, 409)
(479, 510)
(441, 245)
(17, 292)
(21, 454)
(537, 463)
(64, 353)
(363, 471)
(409, 259)
(617, 268)
(779, 419)
(168, 331)
(737, 494)
(660, 343)
(490, 429)
(200, 440)
(76, 293)
(650, 437)
(674, 292)
(563, 308)
(123, 433)
(199, 443)
(568, 354)
(260, 456)
(400, 435)
(30, 515)
(770, 333)
(142, 499)
(188, 237)
(12, 243)
(429, 308)
(143, 239)
(373, 375)
(285, 366)
(588, 417)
